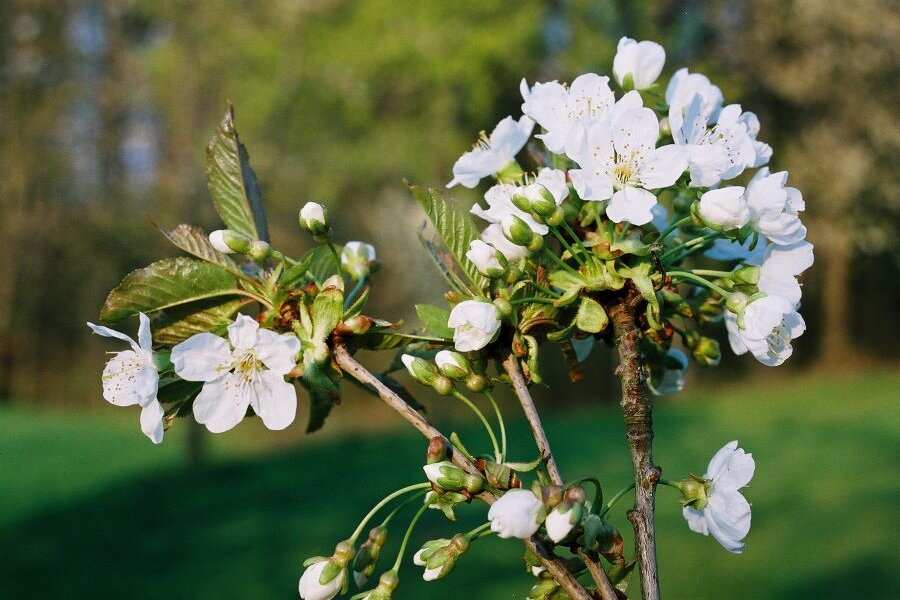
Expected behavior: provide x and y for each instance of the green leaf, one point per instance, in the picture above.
(295, 273)
(177, 390)
(455, 228)
(322, 263)
(326, 312)
(320, 406)
(591, 318)
(179, 323)
(571, 285)
(194, 240)
(232, 182)
(435, 320)
(167, 283)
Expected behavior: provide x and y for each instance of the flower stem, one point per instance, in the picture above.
(546, 290)
(618, 497)
(571, 232)
(409, 530)
(673, 226)
(479, 531)
(337, 258)
(692, 244)
(697, 279)
(561, 263)
(500, 423)
(382, 504)
(484, 421)
(566, 245)
(531, 299)
(348, 301)
(387, 520)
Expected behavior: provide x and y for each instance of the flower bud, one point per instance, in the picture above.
(422, 371)
(438, 450)
(737, 302)
(546, 587)
(442, 385)
(440, 556)
(453, 364)
(259, 250)
(518, 513)
(551, 495)
(563, 519)
(314, 219)
(358, 258)
(517, 231)
(489, 261)
(476, 382)
(449, 477)
(325, 577)
(723, 209)
(706, 352)
(357, 325)
(503, 306)
(366, 558)
(230, 242)
(556, 218)
(746, 274)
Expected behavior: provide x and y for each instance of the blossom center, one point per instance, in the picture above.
(248, 365)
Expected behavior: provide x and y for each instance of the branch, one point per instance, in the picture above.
(549, 560)
(511, 366)
(637, 410)
(604, 585)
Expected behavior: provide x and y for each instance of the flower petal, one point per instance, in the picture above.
(632, 205)
(242, 333)
(222, 403)
(274, 400)
(663, 167)
(107, 332)
(145, 339)
(201, 357)
(278, 351)
(720, 459)
(128, 380)
(152, 421)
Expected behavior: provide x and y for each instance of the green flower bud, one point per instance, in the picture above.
(440, 556)
(517, 231)
(314, 219)
(442, 385)
(476, 382)
(746, 274)
(422, 371)
(706, 352)
(504, 307)
(556, 218)
(230, 242)
(453, 364)
(447, 476)
(259, 250)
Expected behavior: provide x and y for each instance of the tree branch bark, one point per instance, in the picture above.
(637, 410)
(511, 366)
(549, 560)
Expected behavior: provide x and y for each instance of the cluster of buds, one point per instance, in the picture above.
(366, 559)
(448, 366)
(440, 556)
(228, 241)
(325, 577)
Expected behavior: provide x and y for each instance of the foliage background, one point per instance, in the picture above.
(106, 108)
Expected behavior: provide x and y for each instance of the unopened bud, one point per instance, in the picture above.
(442, 385)
(556, 218)
(706, 352)
(746, 274)
(314, 219)
(551, 495)
(517, 231)
(503, 306)
(357, 325)
(438, 450)
(451, 478)
(230, 242)
(422, 371)
(476, 382)
(489, 261)
(358, 259)
(259, 250)
(453, 364)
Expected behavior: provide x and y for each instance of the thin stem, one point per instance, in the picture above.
(500, 423)
(709, 273)
(571, 232)
(382, 504)
(484, 421)
(672, 227)
(616, 498)
(256, 297)
(409, 530)
(476, 533)
(566, 245)
(637, 411)
(561, 262)
(692, 243)
(387, 520)
(539, 299)
(354, 292)
(697, 279)
(337, 258)
(511, 366)
(546, 290)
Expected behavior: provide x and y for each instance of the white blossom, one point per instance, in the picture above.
(642, 60)
(500, 206)
(474, 323)
(249, 372)
(681, 91)
(765, 328)
(619, 161)
(560, 522)
(726, 513)
(492, 154)
(517, 514)
(725, 208)
(670, 378)
(130, 377)
(357, 259)
(559, 110)
(312, 589)
(429, 574)
(555, 182)
(313, 211)
(493, 235)
(715, 152)
(485, 258)
(763, 150)
(774, 208)
(780, 267)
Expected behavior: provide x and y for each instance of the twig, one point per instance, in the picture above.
(637, 410)
(511, 366)
(549, 560)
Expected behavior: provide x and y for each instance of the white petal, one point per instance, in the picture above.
(493, 235)
(274, 400)
(145, 339)
(242, 333)
(632, 205)
(695, 520)
(728, 519)
(720, 459)
(663, 167)
(152, 421)
(222, 403)
(592, 185)
(636, 131)
(129, 380)
(737, 472)
(278, 351)
(107, 332)
(201, 357)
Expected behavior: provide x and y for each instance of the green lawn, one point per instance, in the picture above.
(89, 509)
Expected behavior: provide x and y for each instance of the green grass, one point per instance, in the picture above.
(89, 509)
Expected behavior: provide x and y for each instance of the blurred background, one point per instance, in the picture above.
(105, 110)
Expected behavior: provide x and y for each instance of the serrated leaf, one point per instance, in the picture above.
(167, 283)
(295, 273)
(435, 320)
(455, 228)
(322, 263)
(177, 324)
(194, 240)
(232, 183)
